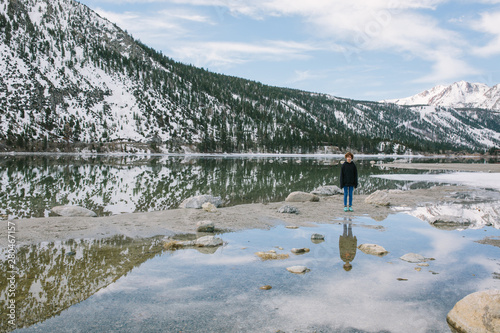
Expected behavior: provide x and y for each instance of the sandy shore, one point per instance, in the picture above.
(328, 210)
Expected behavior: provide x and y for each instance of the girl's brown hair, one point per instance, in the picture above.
(349, 154)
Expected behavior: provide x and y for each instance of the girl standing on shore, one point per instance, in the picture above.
(348, 179)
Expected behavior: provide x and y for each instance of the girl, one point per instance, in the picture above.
(348, 179)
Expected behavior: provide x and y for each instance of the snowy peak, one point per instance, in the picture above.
(460, 94)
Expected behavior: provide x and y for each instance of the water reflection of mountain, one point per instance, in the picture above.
(54, 276)
(32, 184)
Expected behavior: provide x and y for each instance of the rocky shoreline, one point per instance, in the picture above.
(321, 209)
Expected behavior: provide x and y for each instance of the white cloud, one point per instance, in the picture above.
(489, 24)
(233, 53)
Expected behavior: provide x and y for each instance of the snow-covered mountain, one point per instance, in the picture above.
(457, 95)
(72, 80)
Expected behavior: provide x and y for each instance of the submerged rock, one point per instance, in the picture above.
(379, 198)
(271, 255)
(317, 237)
(205, 241)
(198, 201)
(413, 258)
(300, 251)
(71, 211)
(266, 287)
(298, 269)
(373, 249)
(449, 222)
(477, 312)
(301, 197)
(287, 209)
(205, 226)
(327, 190)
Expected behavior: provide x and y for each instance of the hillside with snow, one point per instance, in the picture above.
(457, 95)
(71, 80)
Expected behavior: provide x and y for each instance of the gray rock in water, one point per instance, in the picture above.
(72, 211)
(205, 226)
(327, 190)
(298, 269)
(205, 241)
(198, 201)
(379, 198)
(373, 249)
(477, 312)
(287, 209)
(413, 257)
(317, 237)
(300, 250)
(301, 197)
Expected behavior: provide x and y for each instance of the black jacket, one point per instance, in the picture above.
(348, 175)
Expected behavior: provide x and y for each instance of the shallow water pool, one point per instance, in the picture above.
(137, 286)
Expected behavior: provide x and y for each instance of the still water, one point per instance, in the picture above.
(121, 284)
(135, 285)
(30, 185)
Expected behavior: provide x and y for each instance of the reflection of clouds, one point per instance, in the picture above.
(444, 244)
(134, 283)
(217, 258)
(372, 300)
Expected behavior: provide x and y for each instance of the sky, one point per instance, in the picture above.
(358, 49)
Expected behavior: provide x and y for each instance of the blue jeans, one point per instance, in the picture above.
(348, 191)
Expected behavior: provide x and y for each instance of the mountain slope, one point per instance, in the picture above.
(70, 79)
(457, 95)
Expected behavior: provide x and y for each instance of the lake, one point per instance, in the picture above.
(122, 284)
(134, 285)
(32, 184)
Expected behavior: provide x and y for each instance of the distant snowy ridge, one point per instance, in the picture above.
(457, 95)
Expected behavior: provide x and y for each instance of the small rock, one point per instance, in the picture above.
(266, 287)
(327, 190)
(208, 241)
(298, 269)
(291, 227)
(402, 279)
(373, 249)
(209, 207)
(205, 226)
(423, 264)
(271, 255)
(286, 209)
(198, 201)
(379, 198)
(301, 197)
(317, 237)
(477, 312)
(71, 211)
(413, 257)
(301, 250)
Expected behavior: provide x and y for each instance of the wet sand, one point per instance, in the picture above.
(328, 210)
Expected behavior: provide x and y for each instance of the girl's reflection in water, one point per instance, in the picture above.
(347, 245)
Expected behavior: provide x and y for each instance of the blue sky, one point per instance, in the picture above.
(360, 49)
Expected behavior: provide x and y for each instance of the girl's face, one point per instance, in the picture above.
(348, 159)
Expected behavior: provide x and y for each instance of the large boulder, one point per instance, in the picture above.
(373, 249)
(301, 197)
(327, 190)
(379, 198)
(72, 211)
(198, 201)
(477, 312)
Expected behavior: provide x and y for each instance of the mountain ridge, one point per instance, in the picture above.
(70, 79)
(460, 94)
